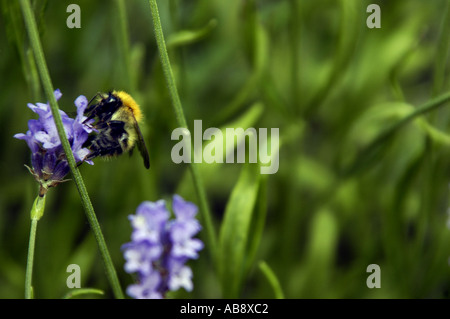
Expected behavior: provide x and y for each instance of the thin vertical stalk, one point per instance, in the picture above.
(36, 213)
(176, 103)
(30, 260)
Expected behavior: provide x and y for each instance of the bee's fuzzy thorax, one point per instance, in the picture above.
(129, 102)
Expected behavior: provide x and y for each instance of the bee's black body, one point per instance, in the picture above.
(104, 109)
(116, 125)
(111, 142)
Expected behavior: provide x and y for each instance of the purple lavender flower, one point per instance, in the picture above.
(161, 247)
(48, 160)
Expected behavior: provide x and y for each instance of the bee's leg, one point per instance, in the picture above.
(104, 145)
(90, 117)
(98, 94)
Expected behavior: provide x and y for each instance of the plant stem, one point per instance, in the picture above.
(37, 210)
(30, 258)
(176, 103)
(48, 88)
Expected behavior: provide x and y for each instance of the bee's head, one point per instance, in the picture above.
(112, 98)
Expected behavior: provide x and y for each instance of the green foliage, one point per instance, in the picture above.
(364, 144)
(235, 230)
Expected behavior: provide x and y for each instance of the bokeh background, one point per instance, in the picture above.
(310, 68)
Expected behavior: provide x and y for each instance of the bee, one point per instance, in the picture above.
(116, 116)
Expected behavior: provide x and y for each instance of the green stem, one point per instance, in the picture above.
(30, 258)
(36, 213)
(176, 103)
(48, 88)
(168, 74)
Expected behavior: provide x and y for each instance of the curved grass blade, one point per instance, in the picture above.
(82, 291)
(272, 279)
(234, 232)
(186, 37)
(370, 152)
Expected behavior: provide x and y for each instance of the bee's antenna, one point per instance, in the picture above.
(98, 93)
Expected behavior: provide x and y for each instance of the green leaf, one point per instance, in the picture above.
(38, 208)
(185, 37)
(321, 249)
(209, 171)
(258, 52)
(442, 50)
(82, 291)
(246, 120)
(258, 222)
(234, 232)
(272, 279)
(436, 135)
(323, 238)
(345, 47)
(370, 152)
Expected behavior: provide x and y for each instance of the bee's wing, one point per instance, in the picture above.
(141, 146)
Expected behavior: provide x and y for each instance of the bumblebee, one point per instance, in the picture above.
(116, 116)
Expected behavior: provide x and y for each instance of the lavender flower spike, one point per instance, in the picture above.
(48, 160)
(161, 247)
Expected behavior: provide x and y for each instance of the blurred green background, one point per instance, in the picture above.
(314, 70)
